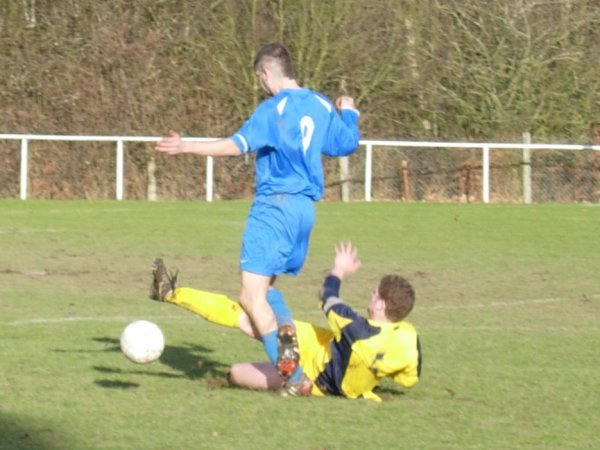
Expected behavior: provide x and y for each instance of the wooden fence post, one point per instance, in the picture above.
(405, 180)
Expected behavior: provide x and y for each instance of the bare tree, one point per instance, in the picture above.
(510, 64)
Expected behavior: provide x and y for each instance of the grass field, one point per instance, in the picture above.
(508, 309)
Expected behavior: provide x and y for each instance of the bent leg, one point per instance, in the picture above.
(262, 376)
(254, 300)
(215, 308)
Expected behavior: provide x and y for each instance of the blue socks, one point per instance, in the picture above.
(280, 309)
(283, 316)
(270, 344)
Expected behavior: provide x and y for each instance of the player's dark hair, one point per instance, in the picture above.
(399, 296)
(275, 52)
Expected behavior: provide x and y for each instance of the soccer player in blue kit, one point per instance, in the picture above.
(289, 132)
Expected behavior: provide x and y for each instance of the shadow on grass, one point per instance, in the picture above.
(388, 390)
(116, 384)
(18, 433)
(189, 361)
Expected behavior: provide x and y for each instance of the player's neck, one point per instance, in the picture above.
(286, 83)
(379, 317)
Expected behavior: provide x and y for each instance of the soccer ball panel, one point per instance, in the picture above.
(142, 342)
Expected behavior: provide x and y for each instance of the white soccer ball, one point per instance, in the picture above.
(142, 341)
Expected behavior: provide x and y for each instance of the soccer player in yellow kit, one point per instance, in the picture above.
(348, 359)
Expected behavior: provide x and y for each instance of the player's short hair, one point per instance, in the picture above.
(275, 53)
(398, 295)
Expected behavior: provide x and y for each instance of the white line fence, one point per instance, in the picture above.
(368, 146)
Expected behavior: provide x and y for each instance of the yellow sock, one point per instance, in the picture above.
(216, 308)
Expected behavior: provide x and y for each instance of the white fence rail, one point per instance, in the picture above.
(120, 142)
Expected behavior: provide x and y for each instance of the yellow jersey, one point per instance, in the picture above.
(353, 356)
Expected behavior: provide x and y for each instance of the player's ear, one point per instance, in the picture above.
(263, 72)
(380, 304)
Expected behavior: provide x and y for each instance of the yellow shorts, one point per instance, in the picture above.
(314, 350)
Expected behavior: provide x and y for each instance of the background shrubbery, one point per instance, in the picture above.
(443, 70)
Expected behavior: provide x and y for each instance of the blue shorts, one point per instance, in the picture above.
(277, 233)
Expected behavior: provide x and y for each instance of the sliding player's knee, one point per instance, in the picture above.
(236, 375)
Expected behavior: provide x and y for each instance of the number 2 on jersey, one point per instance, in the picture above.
(307, 128)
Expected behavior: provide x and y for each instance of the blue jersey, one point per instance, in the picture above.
(289, 132)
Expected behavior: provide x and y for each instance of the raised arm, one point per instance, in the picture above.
(344, 135)
(346, 262)
(174, 145)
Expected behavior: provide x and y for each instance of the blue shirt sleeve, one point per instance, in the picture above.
(345, 134)
(256, 132)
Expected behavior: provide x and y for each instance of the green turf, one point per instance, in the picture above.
(508, 312)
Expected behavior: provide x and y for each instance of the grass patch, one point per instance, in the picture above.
(507, 307)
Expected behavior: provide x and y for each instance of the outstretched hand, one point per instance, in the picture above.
(346, 260)
(171, 145)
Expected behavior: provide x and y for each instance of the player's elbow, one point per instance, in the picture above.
(344, 146)
(349, 147)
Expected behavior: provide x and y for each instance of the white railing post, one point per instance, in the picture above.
(120, 165)
(368, 170)
(486, 174)
(527, 169)
(151, 168)
(209, 178)
(345, 184)
(24, 167)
